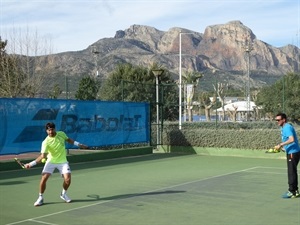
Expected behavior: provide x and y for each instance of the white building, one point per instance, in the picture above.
(241, 110)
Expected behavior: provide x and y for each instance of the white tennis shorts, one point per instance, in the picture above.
(63, 168)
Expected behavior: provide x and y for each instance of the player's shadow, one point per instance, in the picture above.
(12, 182)
(96, 197)
(141, 194)
(91, 198)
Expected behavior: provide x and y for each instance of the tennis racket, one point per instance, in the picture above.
(20, 163)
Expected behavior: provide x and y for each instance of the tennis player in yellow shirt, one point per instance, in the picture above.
(53, 148)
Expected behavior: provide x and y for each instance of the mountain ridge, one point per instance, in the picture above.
(220, 48)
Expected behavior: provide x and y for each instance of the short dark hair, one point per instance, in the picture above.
(282, 115)
(50, 125)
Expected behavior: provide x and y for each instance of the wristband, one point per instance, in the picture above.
(33, 163)
(76, 143)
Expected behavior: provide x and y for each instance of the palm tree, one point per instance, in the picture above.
(190, 80)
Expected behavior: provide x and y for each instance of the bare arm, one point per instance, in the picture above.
(72, 142)
(289, 141)
(36, 161)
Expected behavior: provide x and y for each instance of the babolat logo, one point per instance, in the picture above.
(37, 133)
(72, 124)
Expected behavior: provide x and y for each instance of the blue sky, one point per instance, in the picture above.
(73, 25)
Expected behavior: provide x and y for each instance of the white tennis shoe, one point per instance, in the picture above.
(65, 198)
(39, 201)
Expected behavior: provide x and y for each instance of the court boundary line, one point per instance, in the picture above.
(271, 167)
(269, 172)
(42, 222)
(106, 201)
(266, 172)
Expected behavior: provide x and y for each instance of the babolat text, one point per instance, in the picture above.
(70, 123)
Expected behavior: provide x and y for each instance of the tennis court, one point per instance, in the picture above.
(156, 189)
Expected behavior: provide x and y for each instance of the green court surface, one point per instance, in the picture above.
(156, 189)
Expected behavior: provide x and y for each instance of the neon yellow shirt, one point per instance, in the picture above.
(55, 148)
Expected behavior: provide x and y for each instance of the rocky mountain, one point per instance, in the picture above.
(221, 48)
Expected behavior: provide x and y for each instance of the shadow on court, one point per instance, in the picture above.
(125, 196)
(12, 183)
(95, 197)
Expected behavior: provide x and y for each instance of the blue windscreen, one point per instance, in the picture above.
(94, 123)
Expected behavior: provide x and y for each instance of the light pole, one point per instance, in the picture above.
(180, 81)
(248, 49)
(157, 73)
(96, 53)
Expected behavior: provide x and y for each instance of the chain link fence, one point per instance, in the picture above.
(165, 107)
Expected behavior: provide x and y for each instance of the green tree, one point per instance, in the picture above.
(87, 90)
(122, 84)
(56, 91)
(137, 84)
(282, 96)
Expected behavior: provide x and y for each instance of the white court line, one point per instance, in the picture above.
(269, 167)
(268, 172)
(36, 221)
(159, 189)
(265, 172)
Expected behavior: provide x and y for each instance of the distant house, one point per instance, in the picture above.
(241, 110)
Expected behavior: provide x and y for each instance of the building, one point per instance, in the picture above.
(240, 109)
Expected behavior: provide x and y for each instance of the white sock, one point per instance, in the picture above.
(63, 191)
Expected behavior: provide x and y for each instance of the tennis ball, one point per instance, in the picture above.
(43, 160)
